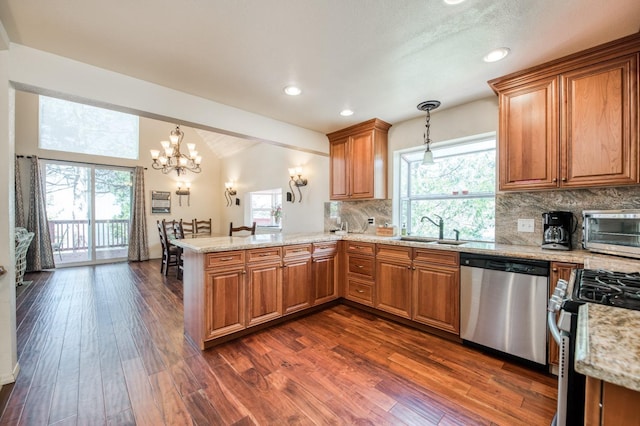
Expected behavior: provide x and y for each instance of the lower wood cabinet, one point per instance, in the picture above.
(224, 300)
(393, 280)
(436, 296)
(296, 279)
(324, 286)
(607, 404)
(264, 292)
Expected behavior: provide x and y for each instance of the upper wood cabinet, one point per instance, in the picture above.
(358, 161)
(572, 122)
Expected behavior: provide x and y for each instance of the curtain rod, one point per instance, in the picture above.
(71, 161)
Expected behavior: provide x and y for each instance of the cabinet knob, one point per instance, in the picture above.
(555, 269)
(564, 179)
(554, 180)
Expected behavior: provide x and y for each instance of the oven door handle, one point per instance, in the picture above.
(553, 327)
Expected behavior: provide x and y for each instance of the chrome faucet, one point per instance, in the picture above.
(439, 224)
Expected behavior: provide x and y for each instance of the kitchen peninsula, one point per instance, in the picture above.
(235, 285)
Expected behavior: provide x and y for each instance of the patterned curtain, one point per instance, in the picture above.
(40, 254)
(19, 201)
(138, 242)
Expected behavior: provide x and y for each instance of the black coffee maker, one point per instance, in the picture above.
(557, 228)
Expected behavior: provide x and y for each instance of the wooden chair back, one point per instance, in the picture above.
(251, 229)
(182, 229)
(202, 226)
(188, 226)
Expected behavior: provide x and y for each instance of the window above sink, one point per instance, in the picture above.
(459, 186)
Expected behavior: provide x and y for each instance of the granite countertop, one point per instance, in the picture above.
(217, 244)
(608, 344)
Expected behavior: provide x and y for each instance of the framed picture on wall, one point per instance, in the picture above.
(160, 202)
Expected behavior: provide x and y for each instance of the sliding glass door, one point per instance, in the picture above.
(89, 212)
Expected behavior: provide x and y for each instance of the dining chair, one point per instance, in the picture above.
(170, 253)
(251, 229)
(202, 226)
(188, 227)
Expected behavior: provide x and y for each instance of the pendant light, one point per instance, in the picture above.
(428, 106)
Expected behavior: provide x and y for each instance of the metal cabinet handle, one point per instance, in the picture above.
(226, 259)
(360, 266)
(359, 291)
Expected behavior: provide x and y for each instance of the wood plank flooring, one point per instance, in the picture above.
(104, 345)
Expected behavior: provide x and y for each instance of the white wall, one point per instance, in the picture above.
(8, 357)
(462, 121)
(265, 166)
(205, 186)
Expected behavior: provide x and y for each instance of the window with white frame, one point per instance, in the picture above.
(85, 129)
(459, 187)
(266, 208)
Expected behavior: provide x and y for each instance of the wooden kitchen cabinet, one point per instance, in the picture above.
(360, 272)
(571, 123)
(436, 289)
(607, 404)
(559, 270)
(296, 278)
(324, 272)
(358, 161)
(264, 285)
(224, 295)
(393, 279)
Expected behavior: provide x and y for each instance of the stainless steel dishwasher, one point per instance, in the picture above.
(503, 303)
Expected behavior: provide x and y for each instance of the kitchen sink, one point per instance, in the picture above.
(418, 239)
(448, 242)
(430, 240)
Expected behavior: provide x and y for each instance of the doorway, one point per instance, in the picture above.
(89, 212)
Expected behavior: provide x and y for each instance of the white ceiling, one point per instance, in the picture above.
(377, 57)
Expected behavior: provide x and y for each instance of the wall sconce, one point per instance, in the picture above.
(229, 193)
(187, 191)
(296, 180)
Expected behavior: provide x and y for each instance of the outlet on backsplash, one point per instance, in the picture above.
(526, 225)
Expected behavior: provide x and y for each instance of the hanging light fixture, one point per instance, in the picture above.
(428, 106)
(171, 157)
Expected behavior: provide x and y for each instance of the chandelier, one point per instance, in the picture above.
(171, 157)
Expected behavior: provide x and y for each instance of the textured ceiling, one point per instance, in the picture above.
(377, 57)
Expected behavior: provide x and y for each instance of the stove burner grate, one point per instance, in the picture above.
(609, 288)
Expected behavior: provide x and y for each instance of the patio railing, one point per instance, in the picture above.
(74, 234)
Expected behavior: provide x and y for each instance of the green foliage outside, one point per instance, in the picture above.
(459, 188)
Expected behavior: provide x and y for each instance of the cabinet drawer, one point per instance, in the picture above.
(361, 248)
(394, 253)
(298, 250)
(439, 257)
(360, 291)
(325, 249)
(224, 259)
(364, 266)
(264, 254)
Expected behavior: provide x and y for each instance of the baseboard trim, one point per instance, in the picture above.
(10, 378)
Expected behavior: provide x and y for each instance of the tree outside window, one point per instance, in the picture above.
(459, 187)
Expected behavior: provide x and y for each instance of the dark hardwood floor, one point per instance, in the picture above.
(105, 345)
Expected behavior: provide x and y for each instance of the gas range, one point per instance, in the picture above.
(619, 289)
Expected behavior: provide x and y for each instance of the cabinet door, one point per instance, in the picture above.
(362, 166)
(528, 138)
(296, 285)
(339, 169)
(558, 271)
(436, 297)
(224, 302)
(324, 279)
(264, 293)
(600, 124)
(393, 287)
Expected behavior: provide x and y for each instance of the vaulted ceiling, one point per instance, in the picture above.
(379, 58)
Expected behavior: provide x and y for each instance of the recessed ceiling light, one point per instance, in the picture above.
(346, 112)
(292, 90)
(452, 2)
(497, 54)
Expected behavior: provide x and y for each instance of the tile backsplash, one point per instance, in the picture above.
(509, 208)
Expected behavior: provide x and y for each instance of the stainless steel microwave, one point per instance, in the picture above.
(612, 232)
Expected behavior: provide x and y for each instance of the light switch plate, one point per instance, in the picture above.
(526, 225)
